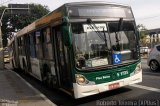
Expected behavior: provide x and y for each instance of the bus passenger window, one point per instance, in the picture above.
(32, 46)
(48, 53)
(39, 44)
(48, 34)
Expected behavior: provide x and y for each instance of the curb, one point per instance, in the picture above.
(36, 90)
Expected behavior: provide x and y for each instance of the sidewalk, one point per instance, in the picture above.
(15, 91)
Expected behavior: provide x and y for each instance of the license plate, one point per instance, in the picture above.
(114, 86)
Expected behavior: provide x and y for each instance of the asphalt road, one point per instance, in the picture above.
(146, 93)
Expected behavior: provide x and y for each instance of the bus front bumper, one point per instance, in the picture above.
(87, 90)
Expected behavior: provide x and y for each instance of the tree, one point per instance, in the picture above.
(142, 31)
(12, 23)
(4, 23)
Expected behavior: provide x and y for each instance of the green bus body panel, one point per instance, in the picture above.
(109, 75)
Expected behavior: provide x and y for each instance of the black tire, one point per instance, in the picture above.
(154, 65)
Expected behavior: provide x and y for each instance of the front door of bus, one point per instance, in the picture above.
(61, 59)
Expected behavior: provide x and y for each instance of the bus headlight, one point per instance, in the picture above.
(138, 68)
(80, 79)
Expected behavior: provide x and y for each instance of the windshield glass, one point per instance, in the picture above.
(100, 45)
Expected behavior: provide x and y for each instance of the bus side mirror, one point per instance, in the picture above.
(66, 32)
(138, 37)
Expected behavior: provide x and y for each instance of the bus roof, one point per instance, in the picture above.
(95, 3)
(40, 22)
(58, 13)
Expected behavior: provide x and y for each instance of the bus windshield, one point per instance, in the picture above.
(96, 47)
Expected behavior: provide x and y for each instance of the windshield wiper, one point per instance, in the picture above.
(95, 28)
(120, 25)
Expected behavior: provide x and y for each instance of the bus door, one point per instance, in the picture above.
(61, 59)
(27, 52)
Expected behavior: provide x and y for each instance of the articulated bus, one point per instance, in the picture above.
(82, 48)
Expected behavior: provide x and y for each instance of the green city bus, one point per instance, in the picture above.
(82, 48)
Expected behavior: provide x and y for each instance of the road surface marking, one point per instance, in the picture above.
(151, 73)
(146, 87)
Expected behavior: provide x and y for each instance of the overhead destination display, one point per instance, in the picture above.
(101, 12)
